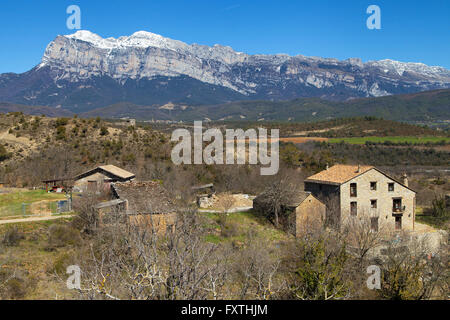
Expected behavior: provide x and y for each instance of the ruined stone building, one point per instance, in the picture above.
(147, 204)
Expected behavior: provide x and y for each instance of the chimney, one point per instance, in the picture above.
(404, 179)
(359, 168)
(326, 167)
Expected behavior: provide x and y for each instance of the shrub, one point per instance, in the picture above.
(12, 237)
(104, 131)
(14, 288)
(60, 264)
(62, 235)
(438, 208)
(61, 133)
(4, 155)
(230, 229)
(61, 122)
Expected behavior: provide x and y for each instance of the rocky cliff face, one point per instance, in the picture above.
(83, 70)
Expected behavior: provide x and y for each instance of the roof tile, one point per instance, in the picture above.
(339, 173)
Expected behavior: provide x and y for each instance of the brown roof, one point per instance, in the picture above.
(109, 169)
(144, 197)
(117, 171)
(339, 174)
(298, 198)
(294, 201)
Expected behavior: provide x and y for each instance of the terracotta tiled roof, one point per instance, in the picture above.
(339, 174)
(144, 197)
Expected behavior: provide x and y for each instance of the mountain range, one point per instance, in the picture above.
(83, 71)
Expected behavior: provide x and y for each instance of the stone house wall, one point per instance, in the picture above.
(384, 200)
(309, 216)
(83, 184)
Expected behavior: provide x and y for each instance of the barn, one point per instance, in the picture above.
(99, 179)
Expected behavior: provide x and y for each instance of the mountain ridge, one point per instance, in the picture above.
(84, 71)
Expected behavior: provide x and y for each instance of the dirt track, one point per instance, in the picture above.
(33, 219)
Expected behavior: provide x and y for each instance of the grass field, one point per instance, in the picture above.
(393, 140)
(34, 265)
(11, 203)
(239, 226)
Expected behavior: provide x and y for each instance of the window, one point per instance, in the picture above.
(373, 185)
(390, 186)
(398, 223)
(353, 208)
(353, 190)
(397, 205)
(374, 224)
(373, 204)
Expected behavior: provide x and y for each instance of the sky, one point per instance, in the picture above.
(411, 31)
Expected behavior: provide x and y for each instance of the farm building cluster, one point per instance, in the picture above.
(334, 195)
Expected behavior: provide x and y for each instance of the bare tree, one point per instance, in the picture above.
(362, 235)
(257, 271)
(137, 262)
(225, 203)
(277, 195)
(87, 219)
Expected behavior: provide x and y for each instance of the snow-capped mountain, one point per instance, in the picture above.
(85, 71)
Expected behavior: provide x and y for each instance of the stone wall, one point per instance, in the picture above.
(81, 185)
(159, 222)
(384, 210)
(309, 216)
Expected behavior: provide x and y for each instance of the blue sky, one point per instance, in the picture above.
(417, 31)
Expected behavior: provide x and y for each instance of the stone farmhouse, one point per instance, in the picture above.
(305, 213)
(352, 191)
(100, 178)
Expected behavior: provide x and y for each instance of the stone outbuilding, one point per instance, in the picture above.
(303, 214)
(99, 179)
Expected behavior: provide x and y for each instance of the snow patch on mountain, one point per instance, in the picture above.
(143, 54)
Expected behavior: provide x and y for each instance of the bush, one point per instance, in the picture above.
(12, 237)
(230, 230)
(61, 122)
(62, 235)
(14, 288)
(4, 155)
(438, 208)
(61, 133)
(60, 264)
(103, 131)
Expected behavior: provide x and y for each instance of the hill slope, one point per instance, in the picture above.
(423, 106)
